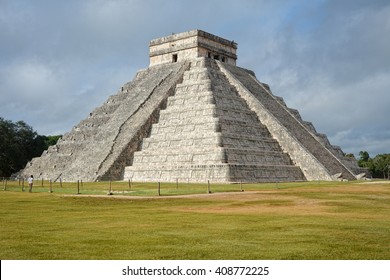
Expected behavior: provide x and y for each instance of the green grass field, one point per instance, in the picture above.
(311, 220)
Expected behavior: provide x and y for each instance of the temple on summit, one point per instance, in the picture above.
(189, 45)
(194, 116)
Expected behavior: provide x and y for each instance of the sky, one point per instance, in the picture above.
(329, 59)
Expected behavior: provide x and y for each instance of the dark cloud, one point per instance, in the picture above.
(329, 59)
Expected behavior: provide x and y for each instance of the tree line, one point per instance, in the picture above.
(19, 143)
(379, 166)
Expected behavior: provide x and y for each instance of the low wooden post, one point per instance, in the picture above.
(23, 185)
(60, 182)
(208, 186)
(5, 183)
(78, 186)
(177, 184)
(51, 186)
(129, 184)
(110, 190)
(159, 189)
(241, 186)
(42, 182)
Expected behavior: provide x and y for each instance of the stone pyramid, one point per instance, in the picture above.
(193, 115)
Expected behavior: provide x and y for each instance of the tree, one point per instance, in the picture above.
(379, 166)
(364, 156)
(382, 166)
(19, 143)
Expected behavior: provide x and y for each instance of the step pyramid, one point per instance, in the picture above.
(193, 115)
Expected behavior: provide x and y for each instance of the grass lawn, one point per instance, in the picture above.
(311, 220)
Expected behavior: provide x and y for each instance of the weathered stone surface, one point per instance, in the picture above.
(100, 146)
(194, 116)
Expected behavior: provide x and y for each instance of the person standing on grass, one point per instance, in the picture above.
(30, 182)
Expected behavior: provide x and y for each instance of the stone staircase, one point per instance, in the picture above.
(207, 132)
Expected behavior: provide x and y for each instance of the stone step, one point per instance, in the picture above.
(232, 105)
(202, 97)
(207, 110)
(252, 156)
(209, 124)
(156, 160)
(197, 110)
(215, 172)
(212, 156)
(230, 121)
(171, 173)
(265, 173)
(237, 114)
(185, 135)
(244, 129)
(220, 99)
(165, 122)
(236, 141)
(197, 74)
(210, 140)
(194, 87)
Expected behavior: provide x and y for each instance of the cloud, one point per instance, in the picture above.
(331, 61)
(328, 59)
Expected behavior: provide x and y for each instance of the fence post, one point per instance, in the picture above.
(23, 185)
(42, 182)
(158, 188)
(177, 183)
(5, 183)
(51, 186)
(129, 184)
(110, 190)
(78, 186)
(208, 186)
(241, 186)
(60, 182)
